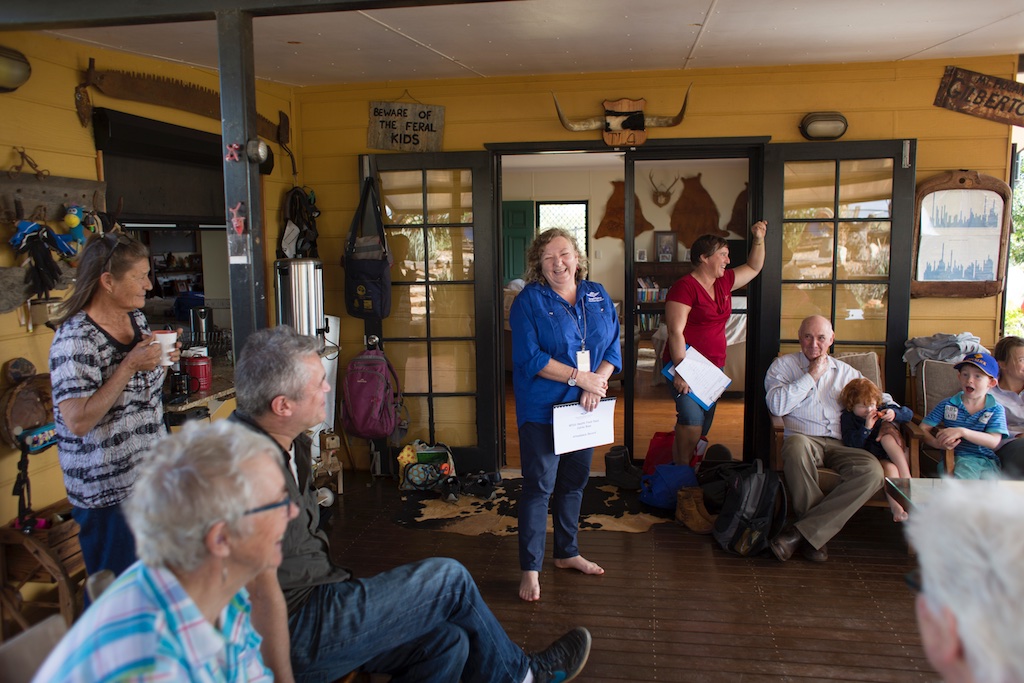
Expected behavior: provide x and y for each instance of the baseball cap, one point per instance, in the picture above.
(983, 362)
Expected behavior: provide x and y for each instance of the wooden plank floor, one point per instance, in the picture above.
(672, 606)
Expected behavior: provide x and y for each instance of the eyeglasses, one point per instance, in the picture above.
(913, 579)
(287, 500)
(119, 239)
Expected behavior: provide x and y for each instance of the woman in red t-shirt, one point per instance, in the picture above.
(696, 310)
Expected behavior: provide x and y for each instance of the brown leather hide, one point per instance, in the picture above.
(695, 213)
(614, 222)
(738, 221)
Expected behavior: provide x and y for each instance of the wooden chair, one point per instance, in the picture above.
(22, 655)
(867, 364)
(935, 380)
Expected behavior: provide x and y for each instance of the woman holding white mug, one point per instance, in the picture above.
(107, 371)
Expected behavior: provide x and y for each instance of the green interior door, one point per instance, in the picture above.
(517, 227)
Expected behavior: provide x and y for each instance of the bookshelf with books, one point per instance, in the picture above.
(653, 280)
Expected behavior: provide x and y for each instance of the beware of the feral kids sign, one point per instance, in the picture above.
(405, 127)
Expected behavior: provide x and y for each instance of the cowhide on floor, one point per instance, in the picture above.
(605, 508)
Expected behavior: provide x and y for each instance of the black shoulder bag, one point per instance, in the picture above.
(367, 261)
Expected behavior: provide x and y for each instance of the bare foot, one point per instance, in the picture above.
(898, 513)
(581, 564)
(529, 586)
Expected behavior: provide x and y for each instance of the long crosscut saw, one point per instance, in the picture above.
(166, 92)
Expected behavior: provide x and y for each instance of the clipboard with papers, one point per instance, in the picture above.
(707, 382)
(575, 429)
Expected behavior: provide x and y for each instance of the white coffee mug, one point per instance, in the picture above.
(166, 339)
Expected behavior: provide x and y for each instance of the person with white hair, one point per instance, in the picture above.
(209, 511)
(971, 584)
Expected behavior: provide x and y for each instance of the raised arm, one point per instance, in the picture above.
(755, 259)
(786, 386)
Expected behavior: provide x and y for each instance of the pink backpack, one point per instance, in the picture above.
(372, 405)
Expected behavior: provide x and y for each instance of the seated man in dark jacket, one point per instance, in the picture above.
(424, 621)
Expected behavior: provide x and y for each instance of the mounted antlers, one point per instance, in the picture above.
(624, 121)
(662, 196)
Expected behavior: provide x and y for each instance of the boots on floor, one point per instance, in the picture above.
(689, 503)
(619, 470)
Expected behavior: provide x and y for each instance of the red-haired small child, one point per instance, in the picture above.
(869, 424)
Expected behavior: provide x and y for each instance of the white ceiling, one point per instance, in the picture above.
(522, 37)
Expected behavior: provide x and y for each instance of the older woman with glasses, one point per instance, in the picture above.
(107, 380)
(209, 512)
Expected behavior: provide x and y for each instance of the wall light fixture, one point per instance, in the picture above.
(14, 69)
(823, 125)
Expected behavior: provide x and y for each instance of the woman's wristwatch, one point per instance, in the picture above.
(572, 378)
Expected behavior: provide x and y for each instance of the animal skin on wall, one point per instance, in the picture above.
(614, 222)
(695, 213)
(738, 222)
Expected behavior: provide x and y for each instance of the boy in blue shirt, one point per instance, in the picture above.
(972, 423)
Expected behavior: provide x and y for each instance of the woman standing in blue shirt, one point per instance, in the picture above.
(565, 346)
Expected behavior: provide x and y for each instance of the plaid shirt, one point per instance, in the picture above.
(145, 627)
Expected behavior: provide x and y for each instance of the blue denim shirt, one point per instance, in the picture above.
(544, 326)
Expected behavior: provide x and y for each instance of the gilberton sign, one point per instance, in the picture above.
(989, 97)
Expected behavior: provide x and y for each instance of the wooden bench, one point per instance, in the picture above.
(44, 556)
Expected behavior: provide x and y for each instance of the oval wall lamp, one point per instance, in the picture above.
(14, 69)
(823, 125)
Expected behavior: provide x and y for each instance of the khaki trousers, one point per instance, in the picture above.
(820, 517)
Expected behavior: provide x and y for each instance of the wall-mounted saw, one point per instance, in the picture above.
(168, 92)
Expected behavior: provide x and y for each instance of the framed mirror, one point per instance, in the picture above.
(962, 221)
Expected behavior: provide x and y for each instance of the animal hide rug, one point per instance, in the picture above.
(614, 222)
(695, 213)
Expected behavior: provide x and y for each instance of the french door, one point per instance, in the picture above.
(441, 334)
(839, 243)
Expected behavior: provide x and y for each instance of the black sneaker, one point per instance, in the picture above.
(450, 489)
(478, 485)
(564, 659)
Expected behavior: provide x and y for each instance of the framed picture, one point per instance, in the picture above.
(665, 245)
(963, 225)
(641, 255)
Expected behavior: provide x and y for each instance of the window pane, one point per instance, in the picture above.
(410, 361)
(406, 245)
(408, 312)
(452, 311)
(865, 188)
(864, 250)
(454, 366)
(570, 216)
(800, 301)
(450, 196)
(401, 197)
(807, 251)
(810, 187)
(451, 254)
(455, 420)
(861, 312)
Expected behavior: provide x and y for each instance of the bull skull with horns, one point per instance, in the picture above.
(624, 121)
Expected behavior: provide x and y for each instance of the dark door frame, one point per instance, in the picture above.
(901, 242)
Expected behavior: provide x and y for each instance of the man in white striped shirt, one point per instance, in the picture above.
(803, 389)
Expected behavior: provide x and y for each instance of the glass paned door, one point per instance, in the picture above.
(437, 218)
(840, 237)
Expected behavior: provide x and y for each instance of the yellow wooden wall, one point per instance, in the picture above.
(880, 100)
(40, 116)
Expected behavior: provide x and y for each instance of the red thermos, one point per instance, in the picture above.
(201, 369)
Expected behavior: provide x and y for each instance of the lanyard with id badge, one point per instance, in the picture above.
(583, 355)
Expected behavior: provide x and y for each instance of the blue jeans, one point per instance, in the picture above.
(546, 476)
(689, 413)
(424, 621)
(106, 540)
